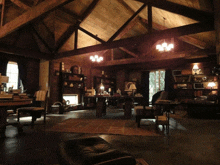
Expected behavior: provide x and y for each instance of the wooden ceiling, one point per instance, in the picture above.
(123, 31)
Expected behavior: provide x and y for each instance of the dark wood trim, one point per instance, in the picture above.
(127, 22)
(91, 35)
(72, 28)
(30, 15)
(25, 52)
(152, 37)
(180, 9)
(41, 39)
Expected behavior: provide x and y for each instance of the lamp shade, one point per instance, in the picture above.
(4, 79)
(132, 87)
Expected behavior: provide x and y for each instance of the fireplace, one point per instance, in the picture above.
(71, 99)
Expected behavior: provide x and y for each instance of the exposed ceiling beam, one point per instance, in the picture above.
(2, 12)
(21, 4)
(30, 15)
(69, 12)
(41, 39)
(91, 35)
(25, 52)
(180, 9)
(152, 37)
(164, 56)
(129, 52)
(193, 41)
(127, 22)
(71, 29)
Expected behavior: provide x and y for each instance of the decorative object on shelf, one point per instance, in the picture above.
(216, 70)
(164, 47)
(195, 69)
(75, 69)
(211, 85)
(71, 85)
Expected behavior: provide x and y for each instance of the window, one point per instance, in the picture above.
(156, 82)
(12, 73)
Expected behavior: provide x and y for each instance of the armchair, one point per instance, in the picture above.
(146, 112)
(35, 111)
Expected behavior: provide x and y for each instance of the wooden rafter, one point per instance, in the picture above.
(187, 39)
(36, 2)
(24, 52)
(180, 9)
(3, 11)
(78, 18)
(37, 11)
(140, 60)
(129, 52)
(72, 28)
(91, 35)
(127, 22)
(41, 39)
(152, 37)
(21, 4)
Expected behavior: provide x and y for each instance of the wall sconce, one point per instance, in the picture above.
(211, 85)
(195, 69)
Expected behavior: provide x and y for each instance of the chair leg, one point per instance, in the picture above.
(138, 120)
(33, 120)
(18, 117)
(45, 117)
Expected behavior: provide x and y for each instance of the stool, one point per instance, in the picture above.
(92, 151)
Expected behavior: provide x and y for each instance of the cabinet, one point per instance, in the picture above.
(108, 83)
(191, 86)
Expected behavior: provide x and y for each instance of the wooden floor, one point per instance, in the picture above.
(190, 141)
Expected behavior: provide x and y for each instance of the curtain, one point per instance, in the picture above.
(3, 65)
(22, 66)
(145, 86)
(169, 84)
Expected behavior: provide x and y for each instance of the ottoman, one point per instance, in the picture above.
(92, 151)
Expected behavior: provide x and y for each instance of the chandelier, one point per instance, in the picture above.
(164, 47)
(96, 58)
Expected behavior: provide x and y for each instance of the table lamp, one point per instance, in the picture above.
(211, 85)
(3, 79)
(132, 88)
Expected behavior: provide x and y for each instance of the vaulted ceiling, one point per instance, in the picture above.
(123, 31)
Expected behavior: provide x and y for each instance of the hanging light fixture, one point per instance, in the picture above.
(164, 46)
(96, 58)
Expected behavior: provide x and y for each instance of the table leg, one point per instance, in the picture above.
(100, 107)
(3, 121)
(128, 107)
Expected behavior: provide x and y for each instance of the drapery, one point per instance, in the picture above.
(22, 67)
(3, 65)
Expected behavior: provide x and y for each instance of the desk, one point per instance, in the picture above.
(101, 103)
(6, 104)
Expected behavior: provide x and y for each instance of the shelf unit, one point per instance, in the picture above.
(107, 82)
(191, 86)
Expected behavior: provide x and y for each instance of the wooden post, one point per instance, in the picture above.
(217, 28)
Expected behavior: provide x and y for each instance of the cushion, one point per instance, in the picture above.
(93, 151)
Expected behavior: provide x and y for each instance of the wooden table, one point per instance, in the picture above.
(7, 104)
(101, 104)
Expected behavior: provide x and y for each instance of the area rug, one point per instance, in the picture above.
(103, 126)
